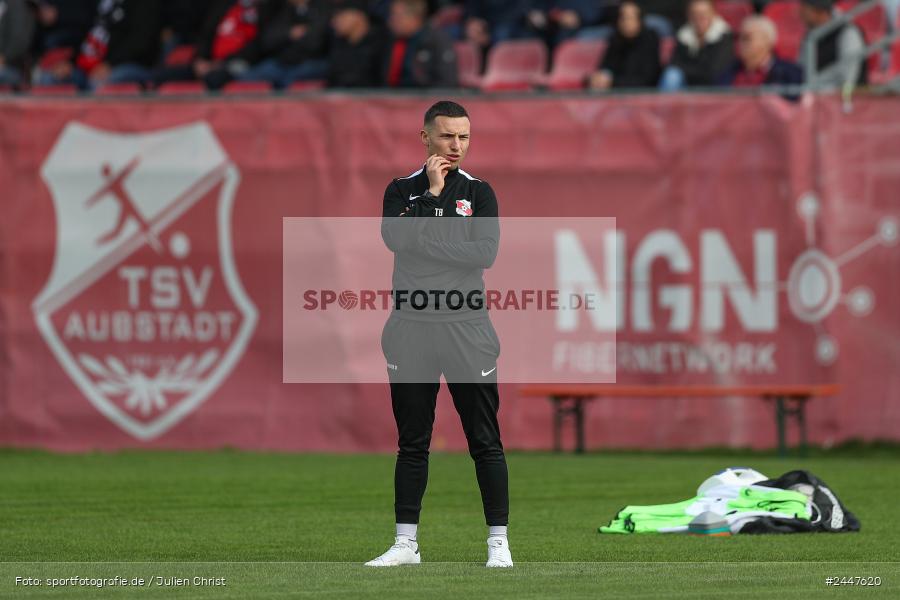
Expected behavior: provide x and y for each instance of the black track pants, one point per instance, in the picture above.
(466, 352)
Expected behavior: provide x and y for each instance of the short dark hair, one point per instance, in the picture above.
(444, 108)
(418, 8)
(820, 4)
(357, 5)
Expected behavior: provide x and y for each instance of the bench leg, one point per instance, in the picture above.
(578, 410)
(558, 413)
(799, 411)
(780, 413)
(562, 409)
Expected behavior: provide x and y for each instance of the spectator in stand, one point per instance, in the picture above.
(16, 30)
(703, 52)
(121, 47)
(295, 43)
(632, 58)
(63, 23)
(833, 50)
(227, 45)
(757, 64)
(664, 16)
(490, 21)
(359, 48)
(420, 56)
(557, 20)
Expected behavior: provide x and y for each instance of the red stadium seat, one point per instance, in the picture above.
(180, 88)
(573, 61)
(666, 48)
(468, 64)
(53, 57)
(247, 87)
(307, 86)
(893, 67)
(119, 89)
(514, 65)
(734, 12)
(786, 16)
(54, 90)
(180, 56)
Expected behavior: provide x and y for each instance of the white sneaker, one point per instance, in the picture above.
(404, 552)
(498, 552)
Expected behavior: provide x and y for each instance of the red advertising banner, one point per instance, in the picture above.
(754, 241)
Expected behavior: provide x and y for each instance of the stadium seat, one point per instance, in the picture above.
(514, 65)
(468, 64)
(311, 85)
(54, 90)
(119, 89)
(786, 16)
(247, 87)
(893, 66)
(573, 61)
(180, 56)
(666, 48)
(53, 57)
(734, 12)
(180, 88)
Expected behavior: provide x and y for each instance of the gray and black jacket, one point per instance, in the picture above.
(441, 257)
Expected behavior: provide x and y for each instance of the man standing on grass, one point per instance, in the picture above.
(439, 325)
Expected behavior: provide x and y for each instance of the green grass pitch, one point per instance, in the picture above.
(300, 525)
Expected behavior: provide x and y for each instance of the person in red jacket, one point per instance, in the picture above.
(228, 44)
(757, 63)
(419, 56)
(121, 47)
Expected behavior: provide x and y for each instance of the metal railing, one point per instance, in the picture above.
(816, 79)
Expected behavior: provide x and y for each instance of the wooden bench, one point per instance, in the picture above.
(570, 400)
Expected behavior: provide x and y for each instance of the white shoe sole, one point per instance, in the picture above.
(377, 563)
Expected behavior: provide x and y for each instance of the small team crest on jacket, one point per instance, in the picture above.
(464, 208)
(144, 308)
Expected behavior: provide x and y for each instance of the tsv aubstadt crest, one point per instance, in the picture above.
(144, 308)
